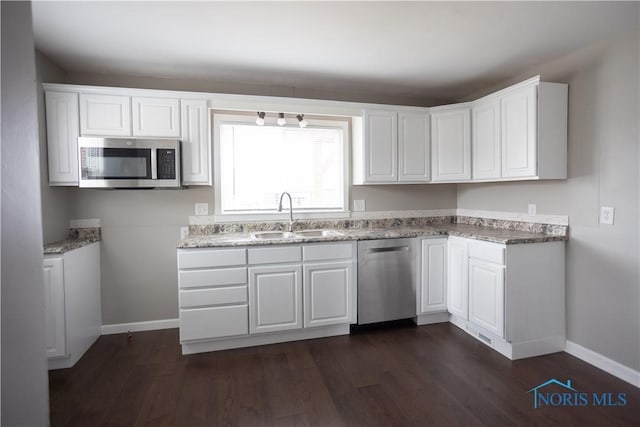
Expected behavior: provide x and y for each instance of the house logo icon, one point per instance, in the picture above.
(569, 396)
(539, 396)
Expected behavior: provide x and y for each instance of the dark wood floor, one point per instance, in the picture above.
(407, 376)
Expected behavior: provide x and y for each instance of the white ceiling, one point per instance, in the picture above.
(428, 49)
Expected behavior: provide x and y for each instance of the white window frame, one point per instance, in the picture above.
(243, 117)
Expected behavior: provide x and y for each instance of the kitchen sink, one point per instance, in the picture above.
(265, 235)
(318, 233)
(273, 235)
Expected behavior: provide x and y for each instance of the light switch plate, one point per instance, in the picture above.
(358, 205)
(607, 215)
(531, 209)
(202, 208)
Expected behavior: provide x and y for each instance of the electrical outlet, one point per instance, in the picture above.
(202, 208)
(184, 232)
(358, 205)
(607, 215)
(531, 209)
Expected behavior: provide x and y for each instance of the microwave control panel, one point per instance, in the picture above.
(166, 159)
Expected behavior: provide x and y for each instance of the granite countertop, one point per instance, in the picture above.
(77, 238)
(489, 234)
(63, 246)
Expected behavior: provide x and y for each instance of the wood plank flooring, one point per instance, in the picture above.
(433, 375)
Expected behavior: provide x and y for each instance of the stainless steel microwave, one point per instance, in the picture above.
(128, 163)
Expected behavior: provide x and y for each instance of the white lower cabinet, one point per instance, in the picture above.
(54, 306)
(327, 293)
(72, 304)
(458, 277)
(213, 296)
(486, 295)
(432, 292)
(238, 297)
(511, 297)
(275, 298)
(213, 322)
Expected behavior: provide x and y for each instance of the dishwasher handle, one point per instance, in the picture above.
(388, 249)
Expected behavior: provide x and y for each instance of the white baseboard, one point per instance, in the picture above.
(599, 361)
(153, 325)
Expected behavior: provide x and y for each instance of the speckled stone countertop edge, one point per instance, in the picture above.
(500, 236)
(78, 238)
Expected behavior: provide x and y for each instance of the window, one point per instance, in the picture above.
(256, 164)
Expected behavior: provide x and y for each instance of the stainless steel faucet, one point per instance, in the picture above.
(291, 221)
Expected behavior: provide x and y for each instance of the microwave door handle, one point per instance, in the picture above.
(154, 162)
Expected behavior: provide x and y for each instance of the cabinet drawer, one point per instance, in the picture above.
(208, 278)
(320, 252)
(215, 322)
(194, 258)
(219, 296)
(487, 251)
(275, 255)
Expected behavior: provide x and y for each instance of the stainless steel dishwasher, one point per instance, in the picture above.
(386, 280)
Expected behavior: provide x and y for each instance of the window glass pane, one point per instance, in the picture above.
(258, 163)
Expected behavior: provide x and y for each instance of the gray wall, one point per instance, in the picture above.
(603, 277)
(24, 366)
(56, 201)
(140, 229)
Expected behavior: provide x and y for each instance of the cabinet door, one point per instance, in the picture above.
(62, 137)
(275, 298)
(432, 292)
(414, 159)
(381, 146)
(54, 307)
(451, 145)
(457, 271)
(486, 295)
(519, 132)
(487, 152)
(105, 115)
(196, 153)
(327, 293)
(156, 117)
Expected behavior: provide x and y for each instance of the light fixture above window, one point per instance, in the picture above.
(260, 119)
(281, 120)
(301, 121)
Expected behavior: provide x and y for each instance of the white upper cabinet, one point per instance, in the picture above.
(380, 146)
(486, 142)
(105, 115)
(393, 147)
(413, 147)
(519, 132)
(156, 117)
(62, 137)
(451, 144)
(196, 146)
